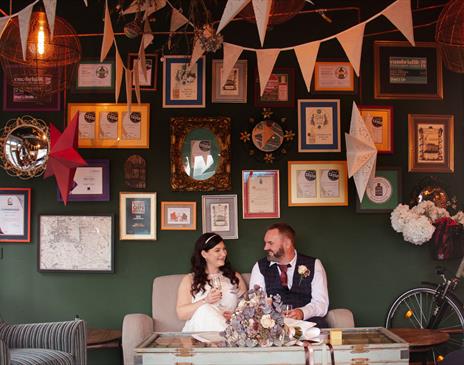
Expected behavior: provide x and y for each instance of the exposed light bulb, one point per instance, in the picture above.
(41, 40)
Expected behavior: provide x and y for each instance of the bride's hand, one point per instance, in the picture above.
(213, 296)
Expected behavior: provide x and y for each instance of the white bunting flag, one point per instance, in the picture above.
(108, 35)
(3, 23)
(266, 60)
(136, 73)
(361, 152)
(129, 90)
(24, 18)
(85, 2)
(262, 9)
(400, 14)
(352, 41)
(177, 20)
(142, 60)
(119, 73)
(50, 10)
(196, 53)
(306, 55)
(147, 37)
(231, 55)
(233, 7)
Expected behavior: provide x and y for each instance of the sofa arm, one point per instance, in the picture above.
(340, 318)
(69, 336)
(4, 353)
(135, 328)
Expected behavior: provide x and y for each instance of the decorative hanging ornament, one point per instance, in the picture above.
(210, 41)
(267, 139)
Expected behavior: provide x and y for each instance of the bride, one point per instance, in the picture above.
(208, 295)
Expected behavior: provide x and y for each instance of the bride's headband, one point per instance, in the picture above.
(212, 241)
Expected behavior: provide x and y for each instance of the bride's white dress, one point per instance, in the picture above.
(209, 317)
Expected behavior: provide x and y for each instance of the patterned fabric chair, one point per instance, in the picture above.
(55, 343)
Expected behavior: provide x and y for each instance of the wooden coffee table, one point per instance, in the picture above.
(99, 338)
(421, 340)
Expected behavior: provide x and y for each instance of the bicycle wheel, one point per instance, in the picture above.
(413, 309)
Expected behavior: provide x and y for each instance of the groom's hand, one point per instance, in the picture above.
(295, 314)
(227, 315)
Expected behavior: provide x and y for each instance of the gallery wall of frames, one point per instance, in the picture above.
(198, 156)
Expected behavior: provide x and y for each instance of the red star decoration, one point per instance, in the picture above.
(63, 157)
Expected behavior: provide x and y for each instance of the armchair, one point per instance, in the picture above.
(62, 343)
(136, 327)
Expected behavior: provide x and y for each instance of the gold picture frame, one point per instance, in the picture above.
(108, 125)
(200, 154)
(178, 216)
(317, 183)
(431, 143)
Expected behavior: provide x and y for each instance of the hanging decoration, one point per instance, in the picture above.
(63, 158)
(449, 35)
(267, 139)
(39, 51)
(399, 13)
(361, 152)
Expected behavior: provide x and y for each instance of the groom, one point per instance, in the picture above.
(299, 280)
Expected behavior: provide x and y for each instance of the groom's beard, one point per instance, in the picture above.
(275, 256)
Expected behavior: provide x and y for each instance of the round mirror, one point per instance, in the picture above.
(24, 147)
(200, 154)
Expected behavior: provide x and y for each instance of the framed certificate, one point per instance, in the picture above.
(383, 192)
(219, 215)
(431, 143)
(318, 125)
(183, 87)
(148, 80)
(235, 87)
(279, 90)
(16, 99)
(91, 182)
(402, 71)
(95, 76)
(313, 183)
(178, 216)
(379, 122)
(137, 216)
(15, 210)
(334, 77)
(260, 191)
(109, 125)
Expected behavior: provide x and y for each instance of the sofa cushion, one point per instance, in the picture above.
(40, 357)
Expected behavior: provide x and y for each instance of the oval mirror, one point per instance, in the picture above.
(200, 154)
(24, 147)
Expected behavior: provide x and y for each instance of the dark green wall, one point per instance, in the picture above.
(367, 263)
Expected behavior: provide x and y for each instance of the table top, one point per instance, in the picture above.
(98, 336)
(421, 336)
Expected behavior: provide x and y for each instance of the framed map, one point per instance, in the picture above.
(76, 243)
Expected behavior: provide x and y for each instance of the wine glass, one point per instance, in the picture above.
(216, 284)
(286, 308)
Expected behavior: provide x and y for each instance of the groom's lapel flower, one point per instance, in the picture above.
(304, 272)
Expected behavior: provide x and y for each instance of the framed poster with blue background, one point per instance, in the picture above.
(318, 125)
(183, 87)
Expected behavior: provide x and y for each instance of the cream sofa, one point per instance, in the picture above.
(136, 327)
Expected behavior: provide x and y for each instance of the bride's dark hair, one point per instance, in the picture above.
(205, 243)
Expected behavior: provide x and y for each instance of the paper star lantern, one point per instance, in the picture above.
(63, 158)
(361, 152)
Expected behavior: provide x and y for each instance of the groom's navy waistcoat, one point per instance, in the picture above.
(300, 294)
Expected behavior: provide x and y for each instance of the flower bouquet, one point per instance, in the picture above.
(259, 321)
(426, 222)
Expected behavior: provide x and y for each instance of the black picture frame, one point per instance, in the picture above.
(402, 71)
